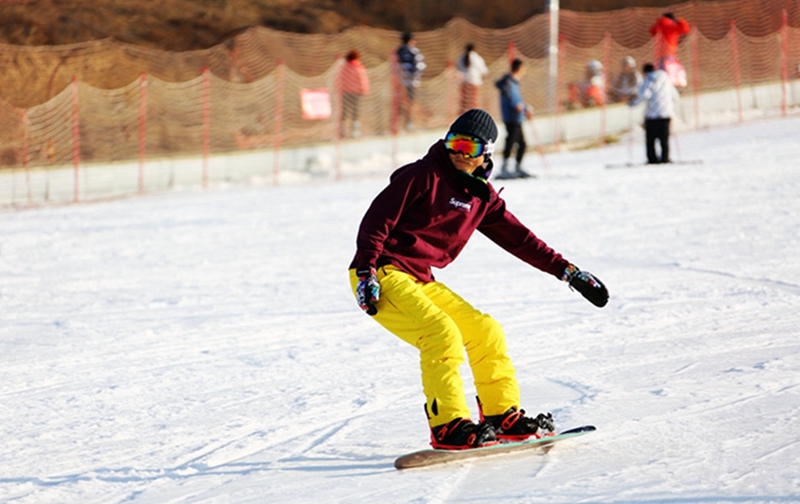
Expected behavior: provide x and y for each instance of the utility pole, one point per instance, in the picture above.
(552, 54)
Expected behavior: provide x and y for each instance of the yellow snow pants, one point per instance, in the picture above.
(441, 325)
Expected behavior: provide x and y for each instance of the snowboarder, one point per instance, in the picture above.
(423, 219)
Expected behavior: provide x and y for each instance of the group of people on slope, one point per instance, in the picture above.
(657, 88)
(592, 90)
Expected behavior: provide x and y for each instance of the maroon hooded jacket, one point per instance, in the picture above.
(426, 215)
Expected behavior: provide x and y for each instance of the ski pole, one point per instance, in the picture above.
(677, 146)
(630, 135)
(538, 142)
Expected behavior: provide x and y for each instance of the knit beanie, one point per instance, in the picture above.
(476, 123)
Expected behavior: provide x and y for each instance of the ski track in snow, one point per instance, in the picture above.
(203, 346)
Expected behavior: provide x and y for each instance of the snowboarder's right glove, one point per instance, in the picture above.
(587, 284)
(368, 291)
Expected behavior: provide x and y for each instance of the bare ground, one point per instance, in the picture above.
(180, 25)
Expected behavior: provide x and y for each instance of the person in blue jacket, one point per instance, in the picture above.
(410, 63)
(515, 111)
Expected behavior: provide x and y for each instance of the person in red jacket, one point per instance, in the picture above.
(423, 219)
(354, 83)
(668, 31)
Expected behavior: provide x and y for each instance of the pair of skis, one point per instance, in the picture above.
(634, 165)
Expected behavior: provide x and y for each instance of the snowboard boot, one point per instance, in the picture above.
(513, 425)
(462, 434)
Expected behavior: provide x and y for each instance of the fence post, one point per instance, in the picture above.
(395, 89)
(142, 127)
(784, 62)
(276, 152)
(206, 90)
(338, 96)
(562, 54)
(736, 76)
(76, 137)
(25, 155)
(452, 93)
(552, 11)
(607, 66)
(658, 53)
(695, 76)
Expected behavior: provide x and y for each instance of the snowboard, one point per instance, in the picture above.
(636, 165)
(430, 457)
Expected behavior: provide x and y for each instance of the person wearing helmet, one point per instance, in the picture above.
(628, 81)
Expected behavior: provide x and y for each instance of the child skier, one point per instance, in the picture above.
(423, 219)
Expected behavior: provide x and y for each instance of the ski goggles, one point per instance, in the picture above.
(457, 143)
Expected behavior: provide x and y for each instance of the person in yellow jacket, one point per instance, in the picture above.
(423, 219)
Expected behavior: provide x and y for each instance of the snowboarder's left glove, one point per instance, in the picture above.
(368, 291)
(587, 284)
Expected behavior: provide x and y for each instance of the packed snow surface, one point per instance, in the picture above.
(204, 346)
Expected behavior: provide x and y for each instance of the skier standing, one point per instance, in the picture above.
(515, 111)
(423, 219)
(661, 97)
(411, 63)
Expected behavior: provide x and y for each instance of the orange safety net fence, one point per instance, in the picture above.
(106, 101)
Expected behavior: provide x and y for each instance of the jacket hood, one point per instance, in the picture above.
(475, 184)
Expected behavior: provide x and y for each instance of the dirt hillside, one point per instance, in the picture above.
(180, 25)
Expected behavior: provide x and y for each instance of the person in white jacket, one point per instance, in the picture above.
(661, 97)
(473, 69)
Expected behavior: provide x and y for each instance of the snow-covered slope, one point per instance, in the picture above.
(203, 346)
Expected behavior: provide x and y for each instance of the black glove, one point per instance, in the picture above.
(368, 291)
(587, 284)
